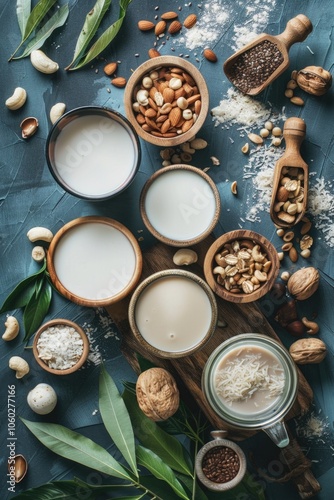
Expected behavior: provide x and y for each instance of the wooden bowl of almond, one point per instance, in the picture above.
(166, 100)
(241, 266)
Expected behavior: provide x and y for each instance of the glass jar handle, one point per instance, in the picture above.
(278, 434)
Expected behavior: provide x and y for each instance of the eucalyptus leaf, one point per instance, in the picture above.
(22, 293)
(58, 19)
(160, 488)
(167, 447)
(160, 470)
(23, 8)
(116, 418)
(105, 39)
(91, 24)
(73, 446)
(36, 16)
(36, 309)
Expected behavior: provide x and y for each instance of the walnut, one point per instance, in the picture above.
(157, 394)
(303, 283)
(306, 351)
(314, 80)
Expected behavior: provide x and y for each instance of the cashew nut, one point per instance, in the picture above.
(19, 365)
(12, 328)
(312, 326)
(17, 100)
(57, 111)
(39, 234)
(38, 254)
(256, 254)
(42, 62)
(184, 257)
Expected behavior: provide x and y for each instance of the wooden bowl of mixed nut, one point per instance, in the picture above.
(166, 100)
(241, 266)
(60, 346)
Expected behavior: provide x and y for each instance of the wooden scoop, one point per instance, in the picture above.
(290, 169)
(297, 29)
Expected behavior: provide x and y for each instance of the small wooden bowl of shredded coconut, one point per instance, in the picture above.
(60, 346)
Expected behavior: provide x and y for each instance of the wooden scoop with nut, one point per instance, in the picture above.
(290, 183)
(260, 62)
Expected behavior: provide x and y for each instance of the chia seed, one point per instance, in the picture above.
(253, 67)
(220, 464)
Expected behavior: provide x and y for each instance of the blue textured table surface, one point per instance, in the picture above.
(30, 197)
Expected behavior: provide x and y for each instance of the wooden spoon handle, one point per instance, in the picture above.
(297, 29)
(293, 132)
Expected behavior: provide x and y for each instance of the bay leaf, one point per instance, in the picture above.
(104, 40)
(167, 447)
(73, 446)
(91, 24)
(58, 19)
(22, 293)
(160, 470)
(116, 418)
(23, 8)
(36, 309)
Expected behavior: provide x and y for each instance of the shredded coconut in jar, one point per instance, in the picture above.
(60, 347)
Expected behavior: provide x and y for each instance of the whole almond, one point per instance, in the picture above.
(153, 53)
(110, 68)
(165, 126)
(145, 25)
(190, 21)
(160, 28)
(174, 27)
(167, 16)
(298, 101)
(209, 55)
(187, 125)
(118, 82)
(168, 95)
(175, 116)
(293, 254)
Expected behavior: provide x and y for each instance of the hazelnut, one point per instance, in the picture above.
(306, 351)
(303, 283)
(296, 328)
(157, 394)
(287, 313)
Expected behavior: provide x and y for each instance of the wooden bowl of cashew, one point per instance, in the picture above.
(241, 266)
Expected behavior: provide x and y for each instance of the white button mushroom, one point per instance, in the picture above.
(42, 399)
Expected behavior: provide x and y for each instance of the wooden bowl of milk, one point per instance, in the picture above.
(94, 261)
(180, 205)
(93, 152)
(173, 313)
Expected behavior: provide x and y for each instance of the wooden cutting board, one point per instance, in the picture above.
(238, 318)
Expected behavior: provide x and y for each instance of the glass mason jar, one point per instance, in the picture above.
(270, 417)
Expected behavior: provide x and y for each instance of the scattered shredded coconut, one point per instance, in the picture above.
(240, 108)
(257, 19)
(60, 346)
(312, 426)
(321, 207)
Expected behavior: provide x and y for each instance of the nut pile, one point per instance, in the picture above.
(242, 266)
(268, 131)
(254, 66)
(289, 201)
(183, 153)
(167, 102)
(221, 464)
(305, 241)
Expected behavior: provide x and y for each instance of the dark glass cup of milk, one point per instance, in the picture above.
(93, 152)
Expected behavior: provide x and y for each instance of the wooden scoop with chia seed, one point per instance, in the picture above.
(252, 68)
(290, 183)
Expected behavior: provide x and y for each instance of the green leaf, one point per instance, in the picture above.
(23, 8)
(58, 19)
(74, 446)
(160, 470)
(91, 24)
(116, 418)
(167, 447)
(22, 293)
(36, 309)
(105, 39)
(36, 16)
(57, 490)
